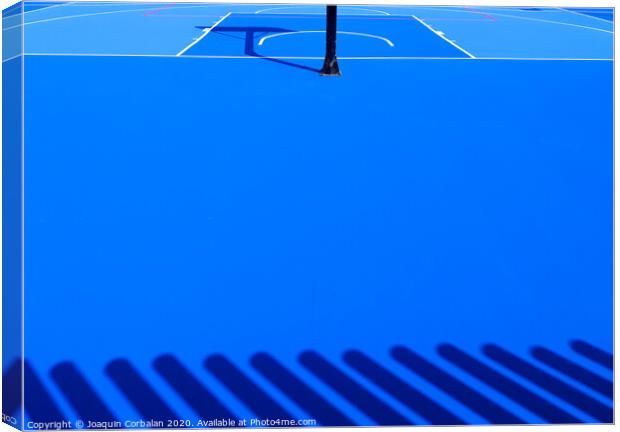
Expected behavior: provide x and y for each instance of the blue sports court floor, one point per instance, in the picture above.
(213, 230)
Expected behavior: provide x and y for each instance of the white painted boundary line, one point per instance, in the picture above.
(76, 16)
(40, 9)
(302, 6)
(48, 7)
(441, 35)
(396, 3)
(584, 15)
(523, 18)
(11, 58)
(386, 40)
(205, 32)
(116, 11)
(555, 22)
(243, 57)
(188, 6)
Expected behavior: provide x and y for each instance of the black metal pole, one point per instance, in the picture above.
(330, 66)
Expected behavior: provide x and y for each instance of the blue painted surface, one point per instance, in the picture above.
(214, 208)
(12, 232)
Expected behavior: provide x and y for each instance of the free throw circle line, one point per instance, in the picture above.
(386, 40)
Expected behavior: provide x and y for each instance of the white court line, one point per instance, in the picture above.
(11, 58)
(100, 4)
(523, 18)
(595, 9)
(103, 13)
(39, 10)
(441, 35)
(78, 16)
(317, 13)
(584, 15)
(190, 56)
(214, 5)
(205, 32)
(555, 22)
(386, 40)
(49, 7)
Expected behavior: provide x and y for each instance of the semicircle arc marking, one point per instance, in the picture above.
(386, 40)
(317, 13)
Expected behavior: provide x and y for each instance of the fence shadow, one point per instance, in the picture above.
(299, 392)
(196, 395)
(574, 370)
(507, 386)
(593, 353)
(548, 382)
(255, 398)
(138, 391)
(80, 393)
(473, 399)
(369, 387)
(352, 391)
(401, 390)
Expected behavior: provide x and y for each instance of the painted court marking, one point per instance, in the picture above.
(524, 18)
(205, 32)
(49, 7)
(76, 16)
(485, 15)
(554, 22)
(117, 11)
(386, 40)
(352, 8)
(443, 36)
(159, 9)
(245, 57)
(584, 15)
(320, 13)
(11, 58)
